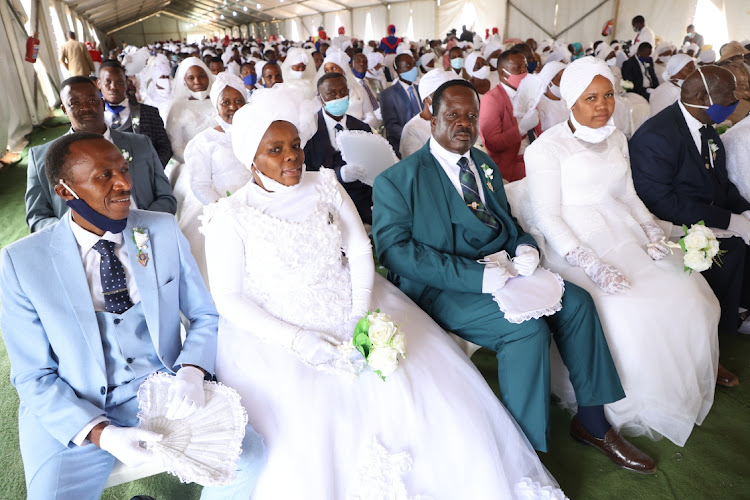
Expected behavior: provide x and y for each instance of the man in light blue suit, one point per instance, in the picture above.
(400, 102)
(90, 308)
(84, 106)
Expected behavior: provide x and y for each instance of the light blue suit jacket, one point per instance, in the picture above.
(151, 187)
(52, 335)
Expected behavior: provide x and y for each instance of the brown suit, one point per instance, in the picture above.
(76, 58)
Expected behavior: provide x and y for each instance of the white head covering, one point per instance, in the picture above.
(403, 49)
(179, 87)
(373, 59)
(337, 56)
(297, 56)
(425, 59)
(470, 61)
(661, 48)
(692, 46)
(490, 48)
(160, 67)
(707, 56)
(259, 70)
(224, 80)
(602, 51)
(251, 122)
(544, 77)
(578, 76)
(675, 64)
(434, 79)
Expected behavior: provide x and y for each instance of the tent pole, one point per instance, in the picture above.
(15, 50)
(614, 26)
(507, 19)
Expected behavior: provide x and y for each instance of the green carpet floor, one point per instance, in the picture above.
(714, 464)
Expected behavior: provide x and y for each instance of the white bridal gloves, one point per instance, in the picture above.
(351, 173)
(186, 393)
(313, 349)
(124, 443)
(741, 225)
(607, 277)
(657, 247)
(499, 267)
(526, 260)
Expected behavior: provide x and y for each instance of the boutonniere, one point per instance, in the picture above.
(136, 121)
(140, 238)
(713, 147)
(488, 174)
(126, 155)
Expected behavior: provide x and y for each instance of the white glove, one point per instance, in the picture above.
(657, 243)
(498, 269)
(741, 226)
(351, 173)
(124, 443)
(185, 395)
(314, 350)
(526, 260)
(528, 121)
(607, 277)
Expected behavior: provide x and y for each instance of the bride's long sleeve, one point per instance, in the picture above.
(545, 192)
(359, 253)
(198, 165)
(630, 197)
(225, 256)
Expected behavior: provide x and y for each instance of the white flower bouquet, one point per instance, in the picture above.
(701, 248)
(380, 341)
(626, 85)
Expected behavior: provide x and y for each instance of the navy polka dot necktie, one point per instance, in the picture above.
(115, 287)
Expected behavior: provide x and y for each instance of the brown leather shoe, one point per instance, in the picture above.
(620, 451)
(726, 378)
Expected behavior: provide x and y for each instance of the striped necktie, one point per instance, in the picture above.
(373, 102)
(471, 195)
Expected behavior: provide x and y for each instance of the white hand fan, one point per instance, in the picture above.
(203, 448)
(369, 151)
(531, 297)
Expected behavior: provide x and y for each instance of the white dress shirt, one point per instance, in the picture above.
(124, 114)
(695, 130)
(331, 126)
(91, 260)
(449, 162)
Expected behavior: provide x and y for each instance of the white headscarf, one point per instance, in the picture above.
(602, 51)
(297, 56)
(469, 63)
(180, 89)
(251, 122)
(373, 59)
(489, 49)
(425, 60)
(578, 76)
(434, 79)
(224, 80)
(304, 82)
(540, 83)
(337, 56)
(707, 56)
(675, 65)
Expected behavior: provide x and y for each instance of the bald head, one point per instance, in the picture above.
(718, 89)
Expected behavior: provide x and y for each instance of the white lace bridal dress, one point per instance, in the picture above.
(433, 429)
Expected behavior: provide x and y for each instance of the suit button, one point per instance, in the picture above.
(103, 390)
(130, 360)
(117, 321)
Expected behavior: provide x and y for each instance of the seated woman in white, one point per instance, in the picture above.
(212, 170)
(190, 110)
(291, 272)
(298, 72)
(660, 322)
(159, 86)
(667, 93)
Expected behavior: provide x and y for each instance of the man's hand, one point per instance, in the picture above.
(526, 260)
(124, 443)
(186, 393)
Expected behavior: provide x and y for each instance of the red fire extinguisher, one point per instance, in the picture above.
(32, 48)
(608, 27)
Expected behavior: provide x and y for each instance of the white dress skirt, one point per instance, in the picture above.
(433, 429)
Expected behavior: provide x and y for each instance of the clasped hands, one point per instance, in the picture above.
(499, 267)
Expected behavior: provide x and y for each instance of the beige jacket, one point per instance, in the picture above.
(76, 58)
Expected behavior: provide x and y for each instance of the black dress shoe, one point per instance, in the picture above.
(142, 497)
(620, 451)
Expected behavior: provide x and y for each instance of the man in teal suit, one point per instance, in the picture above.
(438, 212)
(90, 308)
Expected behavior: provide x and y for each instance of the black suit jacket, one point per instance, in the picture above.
(671, 178)
(145, 120)
(631, 70)
(320, 153)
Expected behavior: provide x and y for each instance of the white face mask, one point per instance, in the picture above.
(227, 127)
(275, 186)
(555, 90)
(296, 75)
(482, 73)
(493, 63)
(203, 94)
(592, 135)
(664, 59)
(611, 61)
(678, 82)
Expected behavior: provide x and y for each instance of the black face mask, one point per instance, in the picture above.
(102, 222)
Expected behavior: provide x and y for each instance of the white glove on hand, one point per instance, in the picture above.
(606, 277)
(314, 350)
(498, 269)
(741, 226)
(351, 173)
(526, 260)
(528, 121)
(124, 443)
(185, 395)
(657, 247)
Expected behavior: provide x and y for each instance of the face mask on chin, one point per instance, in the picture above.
(199, 95)
(275, 186)
(482, 73)
(555, 90)
(592, 135)
(100, 221)
(611, 61)
(358, 74)
(296, 75)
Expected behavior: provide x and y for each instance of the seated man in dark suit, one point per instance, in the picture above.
(400, 102)
(322, 150)
(84, 107)
(639, 69)
(679, 171)
(124, 115)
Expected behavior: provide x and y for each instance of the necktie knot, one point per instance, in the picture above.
(105, 247)
(338, 127)
(704, 131)
(463, 162)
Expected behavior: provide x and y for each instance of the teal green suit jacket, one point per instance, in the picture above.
(427, 237)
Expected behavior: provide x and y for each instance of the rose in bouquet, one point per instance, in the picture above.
(380, 341)
(701, 248)
(626, 85)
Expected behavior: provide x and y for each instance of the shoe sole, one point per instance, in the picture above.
(644, 472)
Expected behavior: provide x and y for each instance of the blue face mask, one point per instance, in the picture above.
(716, 112)
(645, 59)
(358, 74)
(457, 63)
(100, 221)
(272, 61)
(250, 80)
(174, 58)
(337, 107)
(410, 76)
(532, 66)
